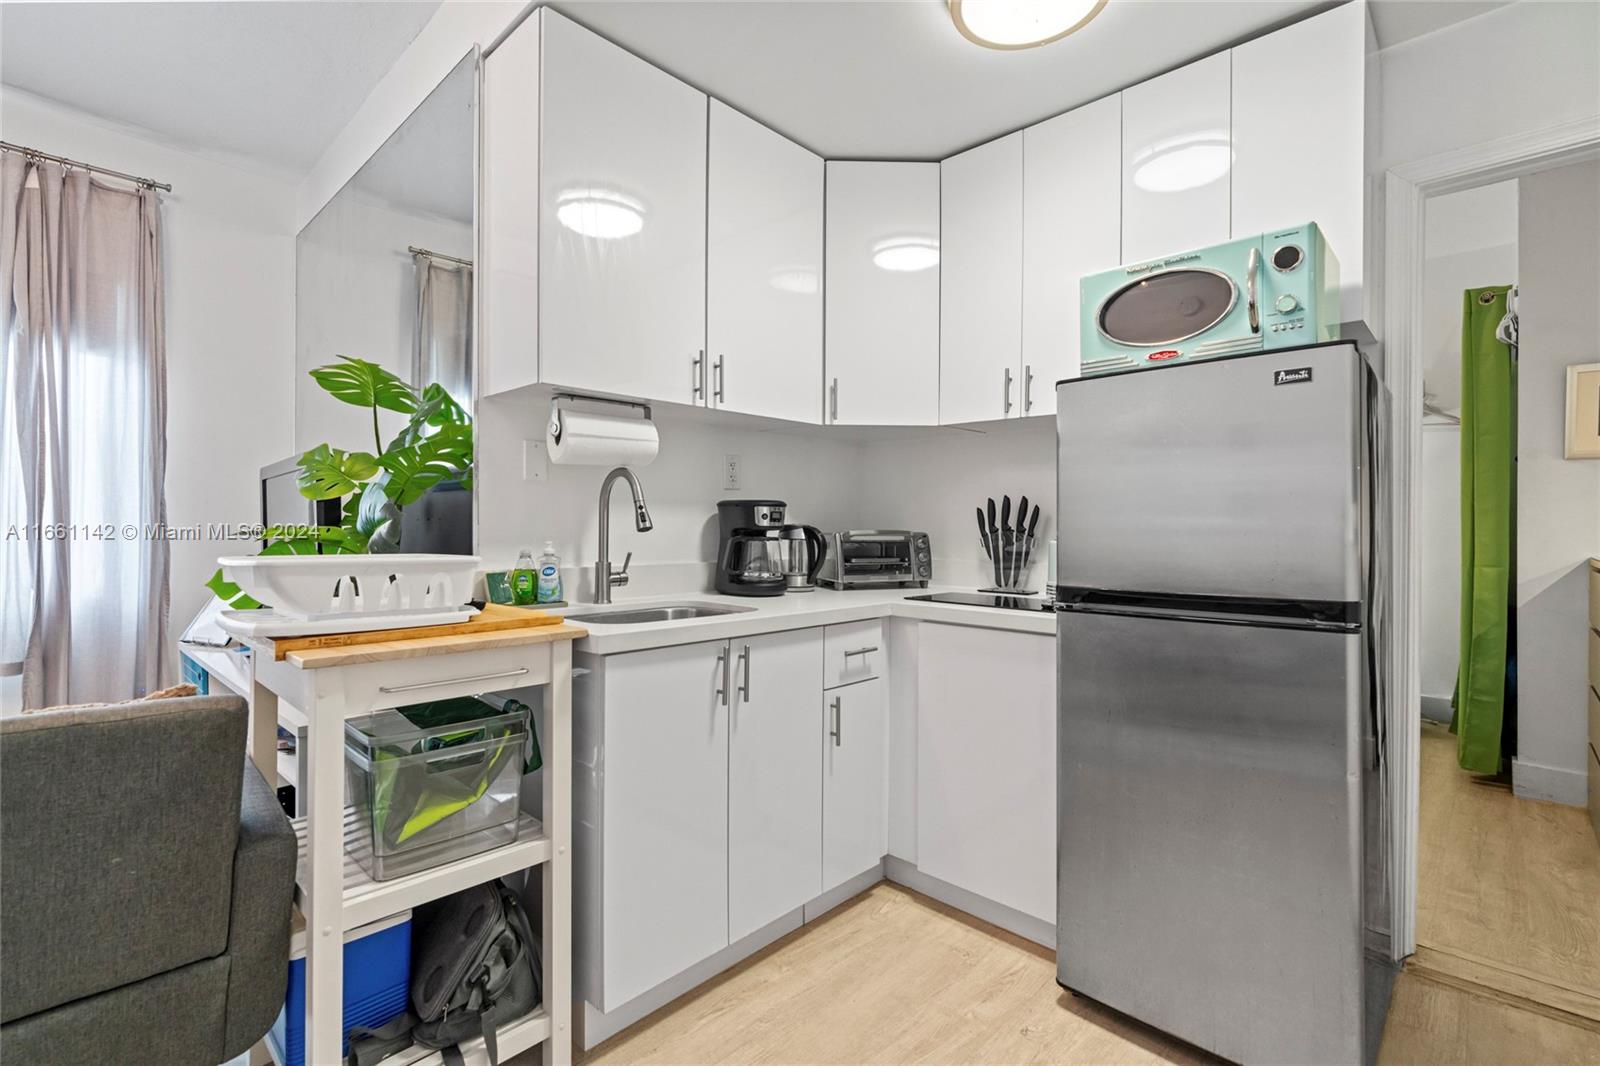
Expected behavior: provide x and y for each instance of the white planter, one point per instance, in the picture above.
(325, 587)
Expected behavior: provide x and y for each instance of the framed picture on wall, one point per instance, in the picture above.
(1583, 411)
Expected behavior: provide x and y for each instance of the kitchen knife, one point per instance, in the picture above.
(1005, 539)
(1019, 565)
(983, 533)
(994, 539)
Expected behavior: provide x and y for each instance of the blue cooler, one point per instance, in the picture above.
(377, 984)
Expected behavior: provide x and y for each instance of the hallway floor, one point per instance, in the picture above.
(1507, 921)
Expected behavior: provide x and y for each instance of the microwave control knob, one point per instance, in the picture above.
(1287, 304)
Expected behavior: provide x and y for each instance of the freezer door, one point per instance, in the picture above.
(1235, 477)
(1209, 811)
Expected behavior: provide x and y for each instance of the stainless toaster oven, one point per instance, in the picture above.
(876, 558)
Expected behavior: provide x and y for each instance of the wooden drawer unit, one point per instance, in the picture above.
(853, 652)
(1594, 669)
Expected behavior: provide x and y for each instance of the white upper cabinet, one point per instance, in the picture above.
(882, 294)
(1299, 133)
(980, 282)
(622, 221)
(1072, 226)
(508, 217)
(1176, 161)
(764, 271)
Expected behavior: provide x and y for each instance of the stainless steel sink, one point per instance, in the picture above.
(667, 612)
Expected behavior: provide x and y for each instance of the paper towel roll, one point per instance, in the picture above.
(601, 440)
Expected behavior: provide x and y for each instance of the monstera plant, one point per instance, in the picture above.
(434, 446)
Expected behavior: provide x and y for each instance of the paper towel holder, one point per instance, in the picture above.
(555, 408)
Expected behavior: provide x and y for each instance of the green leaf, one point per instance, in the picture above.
(231, 594)
(438, 408)
(334, 540)
(417, 468)
(327, 473)
(364, 384)
(377, 518)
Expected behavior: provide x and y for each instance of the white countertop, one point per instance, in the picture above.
(802, 610)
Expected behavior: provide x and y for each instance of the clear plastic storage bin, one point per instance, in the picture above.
(431, 793)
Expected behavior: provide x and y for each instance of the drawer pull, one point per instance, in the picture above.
(452, 681)
(861, 651)
(838, 725)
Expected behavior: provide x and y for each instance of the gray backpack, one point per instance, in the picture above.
(474, 967)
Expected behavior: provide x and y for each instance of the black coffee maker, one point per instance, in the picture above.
(758, 553)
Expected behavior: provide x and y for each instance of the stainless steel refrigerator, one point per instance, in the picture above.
(1221, 604)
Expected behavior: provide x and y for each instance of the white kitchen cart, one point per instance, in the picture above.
(318, 690)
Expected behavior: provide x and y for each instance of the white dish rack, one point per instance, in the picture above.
(355, 588)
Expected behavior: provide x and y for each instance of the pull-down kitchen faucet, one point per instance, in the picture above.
(604, 579)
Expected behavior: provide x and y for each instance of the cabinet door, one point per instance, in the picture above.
(980, 282)
(764, 271)
(1176, 161)
(622, 221)
(774, 778)
(986, 764)
(1299, 127)
(508, 252)
(664, 815)
(855, 780)
(1072, 226)
(881, 291)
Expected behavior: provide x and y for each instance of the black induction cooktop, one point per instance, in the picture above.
(986, 599)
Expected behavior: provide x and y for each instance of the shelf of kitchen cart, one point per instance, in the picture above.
(366, 900)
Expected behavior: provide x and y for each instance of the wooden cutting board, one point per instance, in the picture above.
(494, 618)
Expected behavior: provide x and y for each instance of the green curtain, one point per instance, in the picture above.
(1488, 520)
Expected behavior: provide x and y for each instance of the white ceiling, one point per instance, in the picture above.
(849, 78)
(272, 80)
(425, 167)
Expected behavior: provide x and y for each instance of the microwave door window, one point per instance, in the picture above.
(1167, 307)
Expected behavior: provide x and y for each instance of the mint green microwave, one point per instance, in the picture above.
(1278, 290)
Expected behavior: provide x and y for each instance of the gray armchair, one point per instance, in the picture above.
(146, 878)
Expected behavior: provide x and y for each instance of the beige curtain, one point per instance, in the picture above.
(83, 609)
(442, 340)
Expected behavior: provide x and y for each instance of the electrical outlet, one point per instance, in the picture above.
(535, 461)
(730, 471)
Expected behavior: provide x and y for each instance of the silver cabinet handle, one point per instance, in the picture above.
(1027, 388)
(744, 658)
(722, 661)
(861, 651)
(1251, 267)
(697, 374)
(837, 732)
(833, 401)
(718, 392)
(453, 681)
(1008, 391)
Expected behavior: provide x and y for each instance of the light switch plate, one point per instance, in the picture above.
(730, 471)
(535, 461)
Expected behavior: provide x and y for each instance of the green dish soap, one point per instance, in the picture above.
(524, 582)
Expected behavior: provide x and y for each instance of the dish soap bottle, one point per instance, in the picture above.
(549, 584)
(524, 582)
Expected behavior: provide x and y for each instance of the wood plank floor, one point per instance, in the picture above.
(893, 977)
(1508, 889)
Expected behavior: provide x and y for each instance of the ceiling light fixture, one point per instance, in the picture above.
(1014, 24)
(1184, 162)
(903, 254)
(600, 213)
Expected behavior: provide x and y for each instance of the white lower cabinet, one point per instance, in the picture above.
(662, 814)
(774, 778)
(855, 780)
(986, 764)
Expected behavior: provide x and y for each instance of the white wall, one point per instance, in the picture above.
(1558, 500)
(1470, 242)
(229, 260)
(932, 480)
(1522, 67)
(813, 469)
(357, 296)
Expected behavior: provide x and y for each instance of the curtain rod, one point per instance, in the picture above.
(414, 250)
(34, 153)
